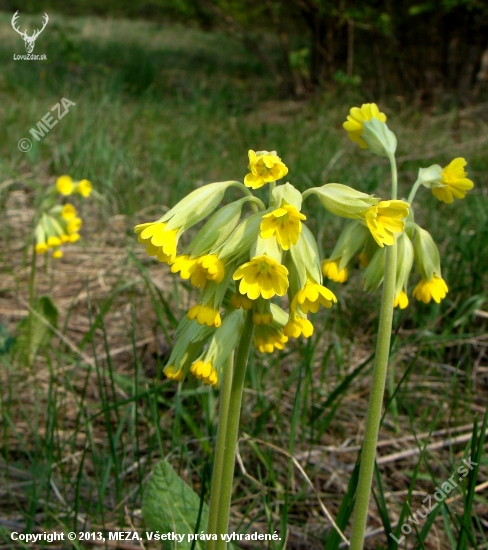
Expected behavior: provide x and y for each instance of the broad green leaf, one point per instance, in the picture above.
(6, 341)
(170, 505)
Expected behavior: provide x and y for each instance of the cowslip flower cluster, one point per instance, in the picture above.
(60, 224)
(266, 262)
(393, 221)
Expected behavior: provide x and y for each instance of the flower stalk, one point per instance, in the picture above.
(380, 369)
(373, 417)
(232, 429)
(225, 393)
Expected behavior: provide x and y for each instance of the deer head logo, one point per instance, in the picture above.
(30, 41)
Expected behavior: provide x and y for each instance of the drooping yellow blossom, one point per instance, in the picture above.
(73, 226)
(401, 300)
(354, 124)
(297, 325)
(212, 266)
(454, 183)
(262, 276)
(265, 167)
(427, 290)
(68, 212)
(74, 238)
(57, 254)
(311, 296)
(65, 185)
(268, 338)
(53, 242)
(179, 375)
(205, 315)
(199, 270)
(330, 269)
(84, 188)
(385, 219)
(205, 372)
(154, 233)
(284, 222)
(239, 300)
(41, 248)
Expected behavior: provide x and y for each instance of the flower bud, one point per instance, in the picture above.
(374, 273)
(242, 238)
(379, 138)
(286, 194)
(404, 267)
(353, 237)
(343, 200)
(217, 229)
(426, 254)
(430, 177)
(190, 337)
(196, 206)
(209, 366)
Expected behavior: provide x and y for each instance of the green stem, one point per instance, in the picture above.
(414, 190)
(32, 299)
(225, 393)
(368, 453)
(232, 431)
(394, 176)
(32, 278)
(271, 186)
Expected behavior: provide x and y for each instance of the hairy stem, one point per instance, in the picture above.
(225, 393)
(368, 453)
(232, 431)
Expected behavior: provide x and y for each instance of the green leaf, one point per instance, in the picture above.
(36, 329)
(170, 505)
(6, 340)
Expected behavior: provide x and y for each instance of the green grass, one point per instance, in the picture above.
(159, 111)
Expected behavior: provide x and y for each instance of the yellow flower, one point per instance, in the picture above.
(41, 248)
(284, 222)
(53, 242)
(268, 338)
(212, 266)
(65, 185)
(239, 300)
(385, 219)
(205, 372)
(401, 300)
(74, 237)
(68, 212)
(454, 182)
(330, 269)
(262, 276)
(205, 315)
(298, 325)
(66, 238)
(426, 290)
(311, 296)
(265, 167)
(199, 270)
(73, 226)
(160, 243)
(57, 254)
(169, 371)
(354, 124)
(84, 188)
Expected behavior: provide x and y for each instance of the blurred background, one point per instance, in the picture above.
(170, 95)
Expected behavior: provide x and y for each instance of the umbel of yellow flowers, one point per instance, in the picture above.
(387, 219)
(258, 261)
(60, 224)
